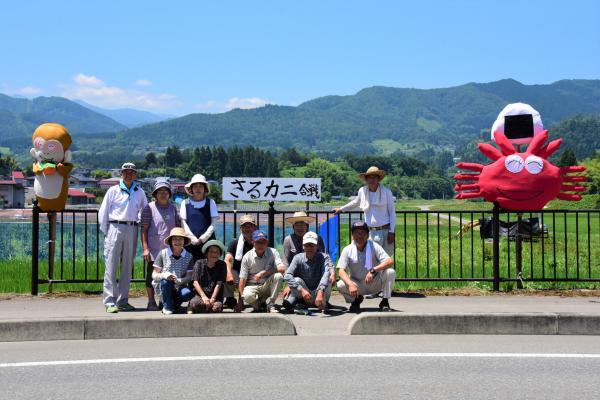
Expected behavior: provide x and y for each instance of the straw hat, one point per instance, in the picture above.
(216, 243)
(248, 219)
(372, 171)
(300, 216)
(198, 178)
(180, 232)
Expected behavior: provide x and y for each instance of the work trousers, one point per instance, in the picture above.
(380, 236)
(266, 292)
(228, 288)
(382, 282)
(120, 245)
(295, 293)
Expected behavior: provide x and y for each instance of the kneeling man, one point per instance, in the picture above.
(365, 268)
(308, 275)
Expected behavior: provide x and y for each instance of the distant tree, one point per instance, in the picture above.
(567, 158)
(100, 174)
(151, 160)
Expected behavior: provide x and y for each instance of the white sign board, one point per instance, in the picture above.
(272, 189)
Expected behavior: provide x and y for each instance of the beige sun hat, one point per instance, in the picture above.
(248, 219)
(198, 178)
(300, 216)
(178, 232)
(372, 171)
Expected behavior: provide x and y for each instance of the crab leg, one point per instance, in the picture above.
(466, 177)
(569, 197)
(468, 195)
(571, 188)
(470, 166)
(574, 178)
(572, 168)
(459, 187)
(490, 151)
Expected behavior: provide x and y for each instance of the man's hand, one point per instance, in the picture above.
(332, 278)
(171, 278)
(369, 278)
(147, 256)
(353, 289)
(319, 299)
(286, 292)
(306, 296)
(336, 211)
(391, 238)
(258, 276)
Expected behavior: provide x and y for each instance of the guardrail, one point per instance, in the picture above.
(430, 246)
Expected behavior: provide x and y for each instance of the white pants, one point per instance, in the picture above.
(119, 248)
(383, 281)
(295, 295)
(380, 236)
(266, 292)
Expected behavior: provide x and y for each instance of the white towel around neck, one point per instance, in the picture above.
(353, 255)
(380, 198)
(239, 250)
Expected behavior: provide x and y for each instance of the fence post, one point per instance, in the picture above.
(519, 252)
(496, 246)
(271, 224)
(35, 247)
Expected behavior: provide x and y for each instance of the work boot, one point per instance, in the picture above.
(230, 302)
(384, 305)
(355, 306)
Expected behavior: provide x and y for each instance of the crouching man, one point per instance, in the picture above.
(261, 276)
(308, 276)
(365, 268)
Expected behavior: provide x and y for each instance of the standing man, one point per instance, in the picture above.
(158, 218)
(308, 276)
(119, 217)
(261, 275)
(235, 252)
(377, 202)
(365, 268)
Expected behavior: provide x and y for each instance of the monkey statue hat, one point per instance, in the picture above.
(52, 165)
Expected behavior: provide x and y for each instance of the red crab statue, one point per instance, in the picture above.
(518, 181)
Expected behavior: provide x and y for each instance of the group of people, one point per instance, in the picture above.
(185, 263)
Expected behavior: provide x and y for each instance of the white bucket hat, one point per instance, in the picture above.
(518, 109)
(198, 178)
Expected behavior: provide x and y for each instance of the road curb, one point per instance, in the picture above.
(475, 324)
(146, 327)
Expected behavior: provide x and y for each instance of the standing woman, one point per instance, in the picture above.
(208, 279)
(158, 218)
(198, 215)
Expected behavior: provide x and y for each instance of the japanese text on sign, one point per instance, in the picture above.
(272, 189)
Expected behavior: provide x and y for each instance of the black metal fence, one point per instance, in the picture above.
(430, 246)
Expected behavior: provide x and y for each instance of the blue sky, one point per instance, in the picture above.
(189, 56)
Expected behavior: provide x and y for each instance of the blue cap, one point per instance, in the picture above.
(259, 235)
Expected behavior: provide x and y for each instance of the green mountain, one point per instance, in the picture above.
(449, 117)
(19, 117)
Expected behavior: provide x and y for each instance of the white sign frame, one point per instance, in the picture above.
(272, 189)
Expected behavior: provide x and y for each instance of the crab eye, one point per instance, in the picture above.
(51, 146)
(534, 164)
(38, 143)
(514, 163)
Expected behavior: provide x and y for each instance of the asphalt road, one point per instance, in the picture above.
(334, 367)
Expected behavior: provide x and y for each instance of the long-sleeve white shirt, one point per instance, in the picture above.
(378, 206)
(118, 205)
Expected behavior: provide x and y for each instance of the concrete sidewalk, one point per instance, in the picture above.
(52, 318)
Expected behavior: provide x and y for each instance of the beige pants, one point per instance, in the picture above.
(383, 281)
(379, 236)
(266, 292)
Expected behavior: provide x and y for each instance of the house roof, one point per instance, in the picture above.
(18, 175)
(79, 193)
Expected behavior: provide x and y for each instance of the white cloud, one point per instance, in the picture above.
(94, 91)
(234, 102)
(143, 82)
(29, 91)
(85, 80)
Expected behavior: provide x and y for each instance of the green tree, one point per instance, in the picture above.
(567, 158)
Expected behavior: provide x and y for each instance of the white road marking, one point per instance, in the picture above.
(296, 356)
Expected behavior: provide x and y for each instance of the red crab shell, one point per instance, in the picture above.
(518, 181)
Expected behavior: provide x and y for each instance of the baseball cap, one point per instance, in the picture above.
(128, 165)
(259, 235)
(247, 219)
(310, 237)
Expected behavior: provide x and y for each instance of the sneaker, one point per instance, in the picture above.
(355, 306)
(152, 306)
(230, 302)
(384, 305)
(126, 307)
(301, 311)
(112, 309)
(374, 296)
(287, 305)
(271, 309)
(166, 311)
